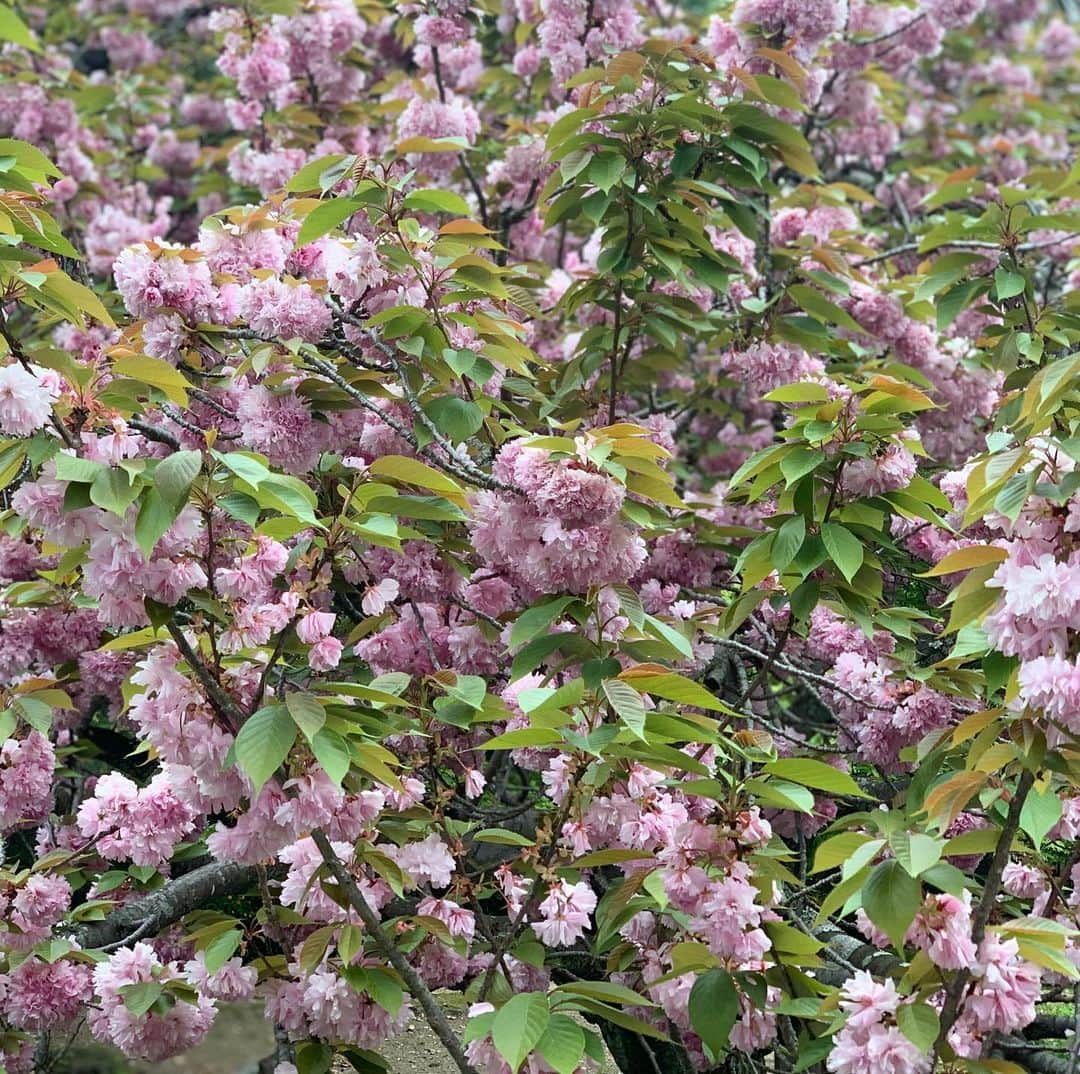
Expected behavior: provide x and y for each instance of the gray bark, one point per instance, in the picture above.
(157, 910)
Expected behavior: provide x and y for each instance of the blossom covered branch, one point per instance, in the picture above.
(574, 503)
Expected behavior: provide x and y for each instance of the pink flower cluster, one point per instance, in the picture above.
(278, 309)
(891, 469)
(130, 823)
(154, 1035)
(232, 982)
(565, 914)
(323, 1005)
(38, 905)
(765, 366)
(40, 995)
(26, 775)
(26, 398)
(562, 532)
(1039, 606)
(871, 1042)
(153, 278)
(882, 714)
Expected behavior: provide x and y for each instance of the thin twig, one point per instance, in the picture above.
(991, 886)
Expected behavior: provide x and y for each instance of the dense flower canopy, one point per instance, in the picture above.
(569, 501)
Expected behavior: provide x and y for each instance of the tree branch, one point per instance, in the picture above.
(156, 910)
(991, 886)
(433, 1013)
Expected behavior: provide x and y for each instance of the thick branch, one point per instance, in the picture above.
(157, 910)
(1037, 1061)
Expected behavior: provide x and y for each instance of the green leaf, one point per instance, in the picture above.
(620, 1018)
(919, 1022)
(567, 125)
(837, 850)
(173, 475)
(537, 619)
(674, 687)
(628, 705)
(630, 605)
(248, 467)
(522, 736)
(414, 472)
(350, 943)
(313, 1057)
(434, 508)
(519, 1026)
(804, 1007)
(332, 752)
(76, 297)
(605, 169)
(574, 163)
(918, 852)
(788, 541)
(1039, 814)
(758, 126)
(384, 989)
(307, 712)
(606, 992)
(307, 178)
(324, 218)
(535, 652)
(781, 794)
(139, 998)
(778, 92)
(677, 640)
(437, 201)
(503, 837)
(289, 495)
(74, 468)
(822, 308)
(798, 462)
(563, 1044)
(456, 418)
(1014, 494)
(264, 742)
(28, 158)
(714, 1006)
(13, 29)
(36, 713)
(816, 774)
(240, 506)
(53, 949)
(800, 392)
(155, 517)
(812, 1050)
(891, 898)
(950, 305)
(468, 689)
(1008, 284)
(222, 949)
(313, 949)
(945, 272)
(113, 491)
(156, 374)
(844, 548)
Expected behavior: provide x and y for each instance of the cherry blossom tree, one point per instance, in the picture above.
(572, 502)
